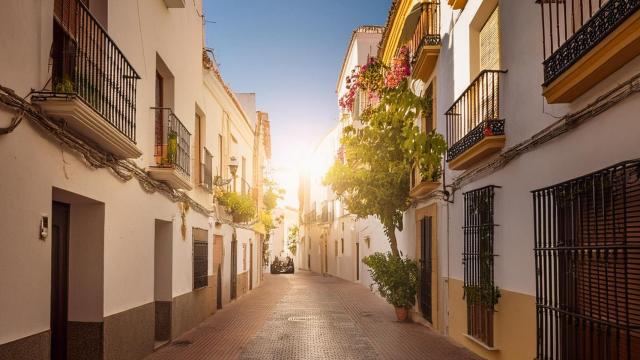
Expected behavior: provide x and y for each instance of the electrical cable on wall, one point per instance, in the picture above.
(94, 158)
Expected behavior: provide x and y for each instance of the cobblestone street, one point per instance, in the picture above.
(307, 316)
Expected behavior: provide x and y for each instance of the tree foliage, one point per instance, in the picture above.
(374, 178)
(294, 231)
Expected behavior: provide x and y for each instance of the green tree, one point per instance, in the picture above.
(294, 231)
(272, 194)
(373, 179)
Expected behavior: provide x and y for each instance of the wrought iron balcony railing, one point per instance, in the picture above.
(172, 141)
(87, 63)
(571, 28)
(476, 114)
(427, 30)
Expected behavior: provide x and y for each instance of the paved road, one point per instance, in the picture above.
(307, 316)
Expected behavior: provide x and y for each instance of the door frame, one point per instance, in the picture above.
(429, 211)
(234, 267)
(251, 266)
(59, 279)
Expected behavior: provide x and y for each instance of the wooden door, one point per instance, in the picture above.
(59, 279)
(425, 268)
(234, 268)
(250, 266)
(357, 261)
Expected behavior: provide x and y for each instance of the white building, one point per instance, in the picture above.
(111, 243)
(488, 224)
(287, 218)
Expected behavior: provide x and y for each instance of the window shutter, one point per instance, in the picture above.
(490, 43)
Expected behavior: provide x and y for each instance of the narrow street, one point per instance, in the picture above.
(308, 316)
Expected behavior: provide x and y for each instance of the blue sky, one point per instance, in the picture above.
(288, 52)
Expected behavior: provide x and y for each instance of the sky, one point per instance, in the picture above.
(288, 52)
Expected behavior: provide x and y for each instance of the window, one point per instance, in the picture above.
(587, 258)
(221, 152)
(244, 257)
(490, 42)
(203, 157)
(342, 245)
(245, 190)
(480, 291)
(200, 258)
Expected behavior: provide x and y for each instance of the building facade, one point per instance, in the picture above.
(531, 224)
(112, 243)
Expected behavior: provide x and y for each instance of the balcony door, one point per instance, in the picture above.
(159, 103)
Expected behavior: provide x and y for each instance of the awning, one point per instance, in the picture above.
(410, 24)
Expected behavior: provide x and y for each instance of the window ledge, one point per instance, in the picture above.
(480, 343)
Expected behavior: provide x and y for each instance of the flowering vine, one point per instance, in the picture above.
(374, 78)
(400, 69)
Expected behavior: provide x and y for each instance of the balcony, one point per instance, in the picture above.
(206, 173)
(172, 141)
(585, 41)
(474, 127)
(93, 86)
(420, 188)
(421, 34)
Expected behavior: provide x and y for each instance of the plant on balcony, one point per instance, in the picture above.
(64, 86)
(172, 148)
(400, 69)
(395, 278)
(240, 206)
(368, 78)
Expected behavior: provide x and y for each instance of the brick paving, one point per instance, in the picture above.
(308, 316)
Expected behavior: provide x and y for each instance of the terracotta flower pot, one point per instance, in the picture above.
(401, 314)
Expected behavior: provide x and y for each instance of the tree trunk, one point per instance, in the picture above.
(391, 233)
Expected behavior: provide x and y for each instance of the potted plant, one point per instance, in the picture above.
(396, 278)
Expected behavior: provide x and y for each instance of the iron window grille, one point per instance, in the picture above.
(587, 259)
(571, 28)
(475, 114)
(478, 257)
(200, 259)
(88, 64)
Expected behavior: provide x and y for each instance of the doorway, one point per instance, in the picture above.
(59, 279)
(234, 267)
(251, 266)
(217, 264)
(162, 280)
(425, 268)
(357, 261)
